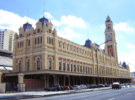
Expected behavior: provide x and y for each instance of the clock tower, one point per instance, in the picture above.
(110, 46)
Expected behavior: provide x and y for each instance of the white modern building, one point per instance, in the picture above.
(6, 40)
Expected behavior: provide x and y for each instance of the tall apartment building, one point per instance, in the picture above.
(42, 58)
(6, 40)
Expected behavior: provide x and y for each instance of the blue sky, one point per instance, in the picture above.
(77, 20)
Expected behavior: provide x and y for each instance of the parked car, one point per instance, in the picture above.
(76, 87)
(71, 87)
(66, 87)
(100, 85)
(54, 88)
(92, 86)
(107, 85)
(116, 85)
(82, 86)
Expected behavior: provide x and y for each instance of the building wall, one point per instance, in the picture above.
(6, 40)
(41, 49)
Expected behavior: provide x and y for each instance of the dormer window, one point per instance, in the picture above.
(28, 34)
(21, 35)
(38, 30)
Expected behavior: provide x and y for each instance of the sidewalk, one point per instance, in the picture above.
(32, 94)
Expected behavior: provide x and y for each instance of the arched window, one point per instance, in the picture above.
(67, 67)
(28, 42)
(74, 68)
(64, 66)
(78, 68)
(38, 30)
(38, 64)
(20, 66)
(50, 64)
(71, 67)
(59, 65)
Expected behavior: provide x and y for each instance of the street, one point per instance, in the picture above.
(112, 94)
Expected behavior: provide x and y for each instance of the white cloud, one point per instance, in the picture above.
(68, 33)
(9, 20)
(48, 15)
(128, 57)
(70, 21)
(128, 45)
(65, 27)
(123, 26)
(73, 21)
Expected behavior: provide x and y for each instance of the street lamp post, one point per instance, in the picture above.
(97, 60)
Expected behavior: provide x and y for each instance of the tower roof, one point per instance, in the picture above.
(108, 19)
(27, 26)
(43, 20)
(88, 43)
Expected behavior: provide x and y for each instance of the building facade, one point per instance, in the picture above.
(6, 40)
(42, 58)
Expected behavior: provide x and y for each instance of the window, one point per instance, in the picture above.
(81, 69)
(38, 64)
(28, 65)
(78, 68)
(20, 67)
(67, 67)
(59, 65)
(59, 43)
(28, 42)
(86, 69)
(18, 45)
(74, 68)
(40, 39)
(50, 64)
(71, 67)
(35, 40)
(64, 67)
(38, 30)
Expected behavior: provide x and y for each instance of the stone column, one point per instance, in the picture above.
(21, 84)
(0, 78)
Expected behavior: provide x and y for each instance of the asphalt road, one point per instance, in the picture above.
(117, 94)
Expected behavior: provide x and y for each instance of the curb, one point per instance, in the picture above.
(39, 96)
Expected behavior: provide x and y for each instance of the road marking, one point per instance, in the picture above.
(111, 99)
(129, 93)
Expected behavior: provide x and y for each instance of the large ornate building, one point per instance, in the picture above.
(42, 58)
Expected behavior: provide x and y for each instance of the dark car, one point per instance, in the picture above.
(116, 85)
(54, 88)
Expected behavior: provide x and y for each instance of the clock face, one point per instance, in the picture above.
(109, 36)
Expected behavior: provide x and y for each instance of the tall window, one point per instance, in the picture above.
(38, 64)
(67, 67)
(83, 69)
(28, 65)
(59, 65)
(74, 68)
(71, 67)
(78, 68)
(86, 69)
(50, 64)
(38, 30)
(20, 67)
(28, 42)
(64, 65)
